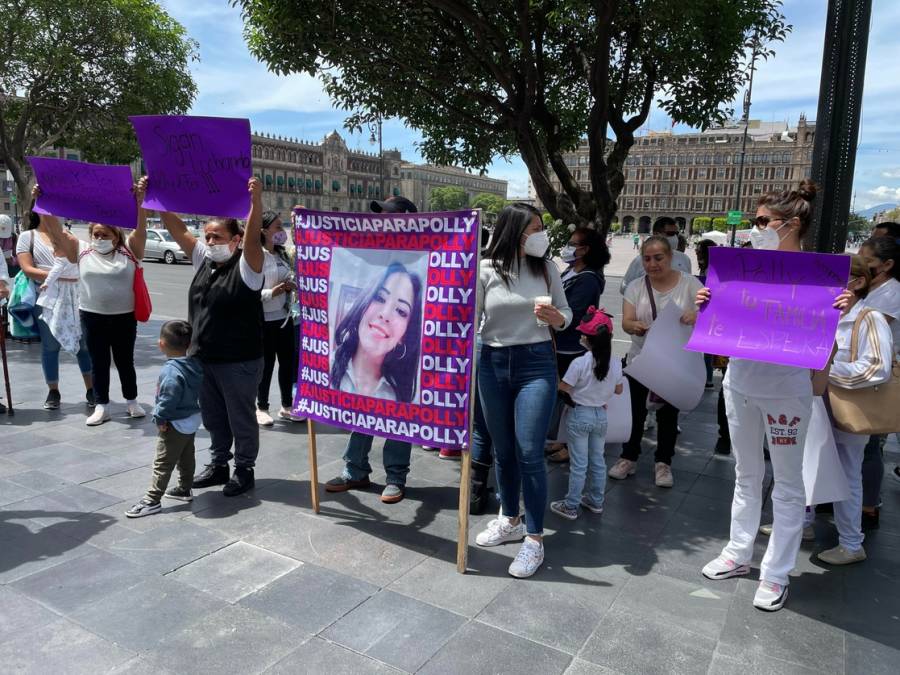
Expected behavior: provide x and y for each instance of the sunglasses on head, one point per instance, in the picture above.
(763, 221)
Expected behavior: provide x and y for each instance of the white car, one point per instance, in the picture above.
(161, 246)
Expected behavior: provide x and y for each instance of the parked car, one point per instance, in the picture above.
(161, 246)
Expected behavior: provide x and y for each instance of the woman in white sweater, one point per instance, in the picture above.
(517, 374)
(870, 367)
(279, 332)
(106, 268)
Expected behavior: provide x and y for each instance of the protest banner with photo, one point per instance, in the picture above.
(771, 306)
(196, 164)
(96, 193)
(387, 323)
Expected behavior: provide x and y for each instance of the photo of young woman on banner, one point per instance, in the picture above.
(375, 322)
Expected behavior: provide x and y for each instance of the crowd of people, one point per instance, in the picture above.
(545, 379)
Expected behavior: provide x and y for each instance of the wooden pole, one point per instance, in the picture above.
(465, 476)
(313, 465)
(465, 486)
(9, 401)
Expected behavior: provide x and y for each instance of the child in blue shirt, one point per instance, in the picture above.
(177, 415)
(590, 382)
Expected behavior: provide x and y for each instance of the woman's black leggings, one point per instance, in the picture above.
(111, 334)
(280, 342)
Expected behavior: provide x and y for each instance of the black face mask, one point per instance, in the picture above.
(874, 272)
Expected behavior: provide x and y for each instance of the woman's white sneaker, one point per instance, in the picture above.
(622, 469)
(528, 560)
(724, 568)
(135, 410)
(499, 531)
(770, 597)
(98, 417)
(263, 418)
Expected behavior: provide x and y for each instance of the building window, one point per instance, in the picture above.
(720, 173)
(759, 173)
(698, 204)
(717, 205)
(667, 174)
(646, 203)
(629, 204)
(701, 173)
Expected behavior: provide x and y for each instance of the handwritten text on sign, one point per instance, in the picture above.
(196, 164)
(436, 411)
(96, 193)
(771, 306)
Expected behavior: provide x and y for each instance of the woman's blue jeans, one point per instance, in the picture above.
(50, 352)
(587, 437)
(517, 386)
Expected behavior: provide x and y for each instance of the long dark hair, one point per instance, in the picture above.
(506, 241)
(597, 256)
(885, 249)
(601, 350)
(398, 369)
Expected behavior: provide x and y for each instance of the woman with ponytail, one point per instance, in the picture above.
(765, 400)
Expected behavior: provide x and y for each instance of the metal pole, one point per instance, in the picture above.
(747, 95)
(837, 121)
(381, 160)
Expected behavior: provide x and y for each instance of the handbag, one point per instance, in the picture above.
(869, 410)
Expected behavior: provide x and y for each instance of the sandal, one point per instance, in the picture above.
(560, 456)
(554, 448)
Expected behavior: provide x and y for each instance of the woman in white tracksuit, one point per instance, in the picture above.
(774, 402)
(872, 367)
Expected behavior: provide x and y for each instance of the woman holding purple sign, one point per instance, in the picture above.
(106, 269)
(765, 400)
(522, 300)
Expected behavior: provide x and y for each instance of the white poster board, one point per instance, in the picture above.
(665, 367)
(823, 476)
(618, 415)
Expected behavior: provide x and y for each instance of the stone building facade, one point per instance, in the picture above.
(418, 180)
(325, 176)
(695, 174)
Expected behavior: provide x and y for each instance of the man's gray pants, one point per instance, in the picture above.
(228, 408)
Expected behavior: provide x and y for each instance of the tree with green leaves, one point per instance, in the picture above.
(701, 224)
(482, 78)
(489, 204)
(449, 198)
(71, 72)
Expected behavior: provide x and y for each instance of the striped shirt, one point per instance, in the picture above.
(874, 351)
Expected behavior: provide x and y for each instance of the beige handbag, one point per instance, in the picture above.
(870, 410)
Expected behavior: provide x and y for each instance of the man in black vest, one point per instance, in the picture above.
(225, 311)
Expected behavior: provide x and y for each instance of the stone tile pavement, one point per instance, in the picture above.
(261, 584)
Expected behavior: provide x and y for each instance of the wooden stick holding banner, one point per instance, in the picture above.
(313, 465)
(465, 474)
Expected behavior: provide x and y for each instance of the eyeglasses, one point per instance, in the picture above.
(764, 221)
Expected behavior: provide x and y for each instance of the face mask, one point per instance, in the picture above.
(673, 241)
(102, 245)
(568, 254)
(218, 253)
(537, 244)
(767, 239)
(279, 238)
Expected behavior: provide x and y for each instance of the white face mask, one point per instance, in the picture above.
(767, 239)
(218, 253)
(102, 245)
(673, 241)
(568, 254)
(537, 244)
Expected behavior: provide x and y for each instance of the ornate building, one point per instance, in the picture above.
(326, 176)
(695, 174)
(418, 180)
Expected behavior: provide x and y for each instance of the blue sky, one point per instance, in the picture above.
(232, 83)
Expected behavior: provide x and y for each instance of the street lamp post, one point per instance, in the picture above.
(372, 139)
(740, 177)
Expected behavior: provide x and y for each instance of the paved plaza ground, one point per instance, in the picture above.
(259, 583)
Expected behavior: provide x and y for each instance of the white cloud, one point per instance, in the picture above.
(885, 193)
(891, 173)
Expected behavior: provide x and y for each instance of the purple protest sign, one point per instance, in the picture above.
(97, 193)
(196, 164)
(387, 322)
(772, 306)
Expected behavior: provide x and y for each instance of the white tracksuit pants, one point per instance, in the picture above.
(783, 422)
